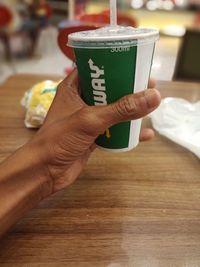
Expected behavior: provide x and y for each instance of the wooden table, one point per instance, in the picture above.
(137, 209)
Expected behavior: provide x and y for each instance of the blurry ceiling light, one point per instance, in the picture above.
(137, 3)
(156, 65)
(181, 2)
(152, 5)
(174, 30)
(168, 5)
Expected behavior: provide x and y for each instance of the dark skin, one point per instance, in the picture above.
(57, 154)
(89, 124)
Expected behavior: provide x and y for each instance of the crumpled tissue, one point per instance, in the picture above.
(179, 120)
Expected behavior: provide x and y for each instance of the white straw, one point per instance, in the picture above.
(71, 9)
(113, 12)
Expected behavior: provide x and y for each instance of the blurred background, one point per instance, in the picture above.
(29, 31)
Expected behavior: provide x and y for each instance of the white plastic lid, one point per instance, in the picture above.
(108, 36)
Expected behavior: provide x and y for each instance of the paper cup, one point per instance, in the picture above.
(112, 63)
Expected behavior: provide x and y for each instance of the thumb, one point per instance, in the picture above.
(129, 107)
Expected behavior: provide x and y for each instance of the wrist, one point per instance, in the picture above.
(32, 166)
(23, 184)
(26, 169)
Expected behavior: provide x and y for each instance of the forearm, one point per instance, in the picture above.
(23, 184)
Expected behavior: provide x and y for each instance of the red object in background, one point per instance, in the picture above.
(103, 18)
(80, 8)
(63, 39)
(122, 19)
(5, 16)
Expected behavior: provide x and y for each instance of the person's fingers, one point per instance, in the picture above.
(152, 83)
(130, 107)
(67, 99)
(94, 120)
(71, 82)
(146, 134)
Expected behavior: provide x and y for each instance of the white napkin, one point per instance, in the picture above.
(179, 120)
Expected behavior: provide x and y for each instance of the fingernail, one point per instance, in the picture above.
(153, 98)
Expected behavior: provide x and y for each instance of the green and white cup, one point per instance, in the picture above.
(113, 62)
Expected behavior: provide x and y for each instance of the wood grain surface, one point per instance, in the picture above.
(136, 209)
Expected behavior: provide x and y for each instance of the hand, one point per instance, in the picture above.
(147, 134)
(66, 139)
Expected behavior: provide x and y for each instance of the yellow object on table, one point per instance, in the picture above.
(37, 102)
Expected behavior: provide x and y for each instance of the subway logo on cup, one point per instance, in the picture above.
(98, 84)
(99, 87)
